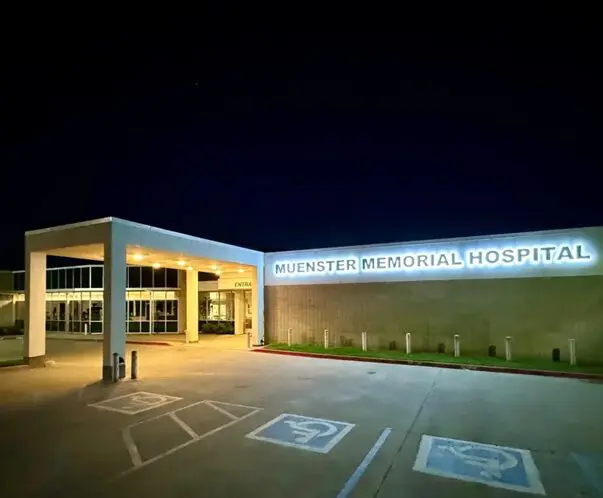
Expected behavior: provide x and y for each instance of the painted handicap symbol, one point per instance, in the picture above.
(306, 433)
(492, 467)
(301, 432)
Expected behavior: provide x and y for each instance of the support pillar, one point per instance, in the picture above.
(34, 340)
(181, 301)
(114, 303)
(257, 304)
(192, 306)
(239, 312)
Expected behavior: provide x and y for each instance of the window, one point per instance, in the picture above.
(171, 278)
(159, 278)
(97, 277)
(134, 280)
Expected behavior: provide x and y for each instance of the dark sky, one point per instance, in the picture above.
(287, 141)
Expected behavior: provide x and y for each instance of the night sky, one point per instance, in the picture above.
(280, 141)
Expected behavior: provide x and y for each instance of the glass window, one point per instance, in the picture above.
(171, 278)
(159, 278)
(134, 277)
(62, 279)
(97, 277)
(147, 277)
(77, 278)
(86, 277)
(69, 277)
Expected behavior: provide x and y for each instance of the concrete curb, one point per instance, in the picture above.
(76, 339)
(456, 366)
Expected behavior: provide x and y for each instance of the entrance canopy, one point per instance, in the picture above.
(119, 243)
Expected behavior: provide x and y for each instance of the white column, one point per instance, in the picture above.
(257, 305)
(34, 340)
(14, 309)
(114, 303)
(239, 312)
(192, 306)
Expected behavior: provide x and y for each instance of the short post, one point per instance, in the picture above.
(85, 329)
(115, 372)
(572, 351)
(289, 337)
(326, 338)
(457, 345)
(508, 354)
(408, 345)
(134, 366)
(364, 341)
(248, 340)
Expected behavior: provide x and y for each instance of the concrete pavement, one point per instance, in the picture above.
(59, 439)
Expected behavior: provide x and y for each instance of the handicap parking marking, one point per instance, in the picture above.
(304, 433)
(234, 412)
(497, 466)
(134, 403)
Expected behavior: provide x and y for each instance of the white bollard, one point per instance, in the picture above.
(289, 337)
(364, 341)
(572, 351)
(508, 354)
(457, 345)
(326, 338)
(248, 340)
(408, 346)
(85, 329)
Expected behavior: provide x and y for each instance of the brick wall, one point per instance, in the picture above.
(539, 313)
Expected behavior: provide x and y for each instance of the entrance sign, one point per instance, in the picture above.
(304, 433)
(497, 466)
(549, 254)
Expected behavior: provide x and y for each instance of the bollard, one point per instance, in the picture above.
(289, 337)
(408, 346)
(572, 351)
(457, 345)
(85, 329)
(364, 341)
(115, 365)
(248, 340)
(134, 366)
(326, 338)
(508, 355)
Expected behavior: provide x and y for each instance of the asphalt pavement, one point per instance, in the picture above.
(228, 423)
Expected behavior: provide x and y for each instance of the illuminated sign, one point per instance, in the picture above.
(245, 285)
(449, 260)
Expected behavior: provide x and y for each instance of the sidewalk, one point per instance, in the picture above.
(213, 341)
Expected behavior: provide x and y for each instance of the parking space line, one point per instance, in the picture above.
(184, 426)
(221, 410)
(135, 457)
(355, 477)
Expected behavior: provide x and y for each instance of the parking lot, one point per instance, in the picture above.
(203, 422)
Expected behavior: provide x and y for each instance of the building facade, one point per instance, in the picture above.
(539, 288)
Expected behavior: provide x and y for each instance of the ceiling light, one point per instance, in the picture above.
(156, 265)
(214, 267)
(181, 263)
(241, 270)
(138, 257)
(190, 268)
(218, 272)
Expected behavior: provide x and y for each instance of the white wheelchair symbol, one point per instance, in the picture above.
(492, 467)
(142, 400)
(306, 433)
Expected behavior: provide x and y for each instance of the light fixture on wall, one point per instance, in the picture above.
(156, 265)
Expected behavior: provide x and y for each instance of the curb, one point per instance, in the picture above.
(454, 366)
(76, 339)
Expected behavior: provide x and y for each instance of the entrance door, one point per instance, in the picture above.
(248, 309)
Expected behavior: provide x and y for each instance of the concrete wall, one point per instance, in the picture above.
(539, 313)
(6, 280)
(7, 310)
